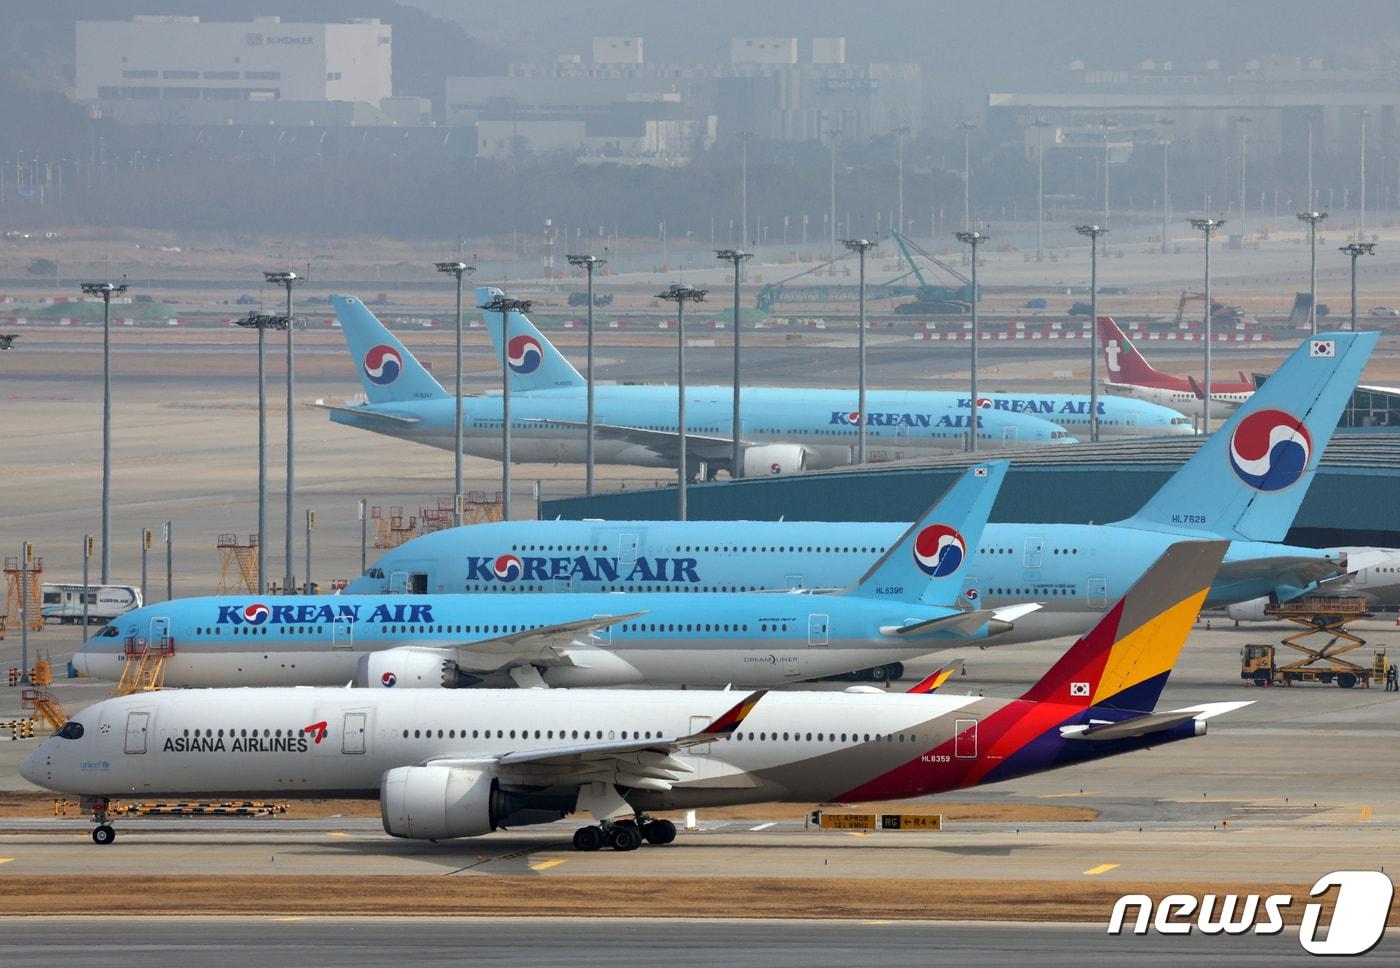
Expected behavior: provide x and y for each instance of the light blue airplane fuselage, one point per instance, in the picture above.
(1074, 571)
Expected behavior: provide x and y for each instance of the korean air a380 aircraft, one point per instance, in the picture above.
(784, 430)
(448, 765)
(1245, 484)
(906, 605)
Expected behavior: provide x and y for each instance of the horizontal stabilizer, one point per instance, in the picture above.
(367, 413)
(1128, 728)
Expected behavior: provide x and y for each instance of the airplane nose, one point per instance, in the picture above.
(34, 768)
(80, 661)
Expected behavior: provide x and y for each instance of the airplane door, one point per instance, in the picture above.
(1034, 553)
(398, 582)
(697, 725)
(818, 629)
(965, 744)
(564, 585)
(627, 550)
(137, 724)
(1008, 434)
(794, 581)
(160, 631)
(1096, 593)
(343, 632)
(353, 735)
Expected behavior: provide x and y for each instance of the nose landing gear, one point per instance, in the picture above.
(624, 835)
(104, 833)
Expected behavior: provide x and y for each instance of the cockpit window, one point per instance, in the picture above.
(70, 730)
(375, 573)
(110, 632)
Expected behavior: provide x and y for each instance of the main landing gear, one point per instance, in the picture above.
(104, 833)
(624, 835)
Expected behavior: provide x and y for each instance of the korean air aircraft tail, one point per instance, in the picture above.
(534, 362)
(926, 563)
(388, 371)
(1250, 477)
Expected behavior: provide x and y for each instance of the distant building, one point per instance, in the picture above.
(182, 69)
(763, 50)
(618, 50)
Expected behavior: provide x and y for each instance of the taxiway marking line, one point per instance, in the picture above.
(337, 833)
(287, 920)
(765, 826)
(545, 865)
(5, 860)
(1101, 869)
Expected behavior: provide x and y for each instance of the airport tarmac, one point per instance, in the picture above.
(611, 942)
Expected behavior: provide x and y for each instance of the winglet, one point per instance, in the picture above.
(933, 680)
(731, 720)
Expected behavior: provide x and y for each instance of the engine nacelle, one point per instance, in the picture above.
(438, 802)
(1250, 611)
(772, 459)
(407, 667)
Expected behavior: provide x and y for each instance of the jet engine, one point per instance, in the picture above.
(772, 459)
(439, 802)
(407, 667)
(1250, 611)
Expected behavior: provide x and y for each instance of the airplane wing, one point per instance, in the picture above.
(647, 764)
(1296, 571)
(552, 644)
(966, 623)
(663, 443)
(365, 412)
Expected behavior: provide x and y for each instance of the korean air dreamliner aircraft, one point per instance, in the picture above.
(905, 605)
(444, 765)
(1245, 484)
(784, 430)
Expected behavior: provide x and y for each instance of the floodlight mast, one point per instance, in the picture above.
(1092, 232)
(860, 246)
(1312, 218)
(680, 295)
(262, 322)
(736, 464)
(972, 240)
(505, 306)
(1356, 249)
(458, 270)
(1207, 226)
(588, 263)
(288, 279)
(106, 290)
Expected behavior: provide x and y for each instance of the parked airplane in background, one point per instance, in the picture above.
(784, 430)
(1245, 484)
(536, 364)
(1372, 574)
(444, 768)
(1131, 375)
(906, 605)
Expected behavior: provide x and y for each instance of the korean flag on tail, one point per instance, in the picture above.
(1079, 689)
(1322, 348)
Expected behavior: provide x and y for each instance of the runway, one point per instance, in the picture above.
(613, 942)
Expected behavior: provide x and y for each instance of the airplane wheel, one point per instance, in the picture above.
(588, 838)
(1346, 680)
(626, 837)
(103, 834)
(659, 832)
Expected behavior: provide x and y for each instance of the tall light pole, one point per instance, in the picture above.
(1207, 226)
(106, 290)
(861, 246)
(973, 240)
(1361, 223)
(262, 322)
(588, 263)
(967, 127)
(1312, 116)
(1242, 121)
(680, 295)
(1092, 232)
(736, 465)
(505, 306)
(1312, 218)
(900, 132)
(1107, 124)
(1040, 124)
(457, 269)
(835, 135)
(288, 279)
(1166, 188)
(744, 138)
(1355, 249)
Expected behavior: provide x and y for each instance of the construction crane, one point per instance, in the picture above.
(929, 298)
(780, 292)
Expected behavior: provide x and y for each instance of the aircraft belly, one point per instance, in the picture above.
(275, 667)
(758, 666)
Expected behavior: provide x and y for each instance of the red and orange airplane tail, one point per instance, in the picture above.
(1125, 363)
(1123, 661)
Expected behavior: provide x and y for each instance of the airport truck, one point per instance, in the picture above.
(1259, 665)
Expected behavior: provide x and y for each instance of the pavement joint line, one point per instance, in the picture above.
(1101, 869)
